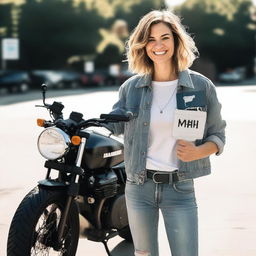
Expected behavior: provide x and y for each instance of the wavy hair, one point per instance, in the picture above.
(185, 51)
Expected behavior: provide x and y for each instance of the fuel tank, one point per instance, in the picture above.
(102, 151)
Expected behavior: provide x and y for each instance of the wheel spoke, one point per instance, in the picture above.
(46, 233)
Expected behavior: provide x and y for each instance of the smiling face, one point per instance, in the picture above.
(160, 46)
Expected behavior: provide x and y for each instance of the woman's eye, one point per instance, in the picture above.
(150, 40)
(165, 38)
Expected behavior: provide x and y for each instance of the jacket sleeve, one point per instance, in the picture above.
(215, 124)
(118, 108)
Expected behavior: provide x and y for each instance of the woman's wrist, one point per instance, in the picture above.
(206, 149)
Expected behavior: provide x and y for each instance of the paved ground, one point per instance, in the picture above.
(226, 198)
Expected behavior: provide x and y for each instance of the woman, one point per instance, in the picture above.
(160, 167)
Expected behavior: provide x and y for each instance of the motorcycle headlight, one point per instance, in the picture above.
(53, 143)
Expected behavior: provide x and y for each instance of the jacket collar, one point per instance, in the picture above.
(184, 79)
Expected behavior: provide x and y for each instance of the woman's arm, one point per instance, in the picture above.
(188, 151)
(215, 125)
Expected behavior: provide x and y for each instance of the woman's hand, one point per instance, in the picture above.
(187, 151)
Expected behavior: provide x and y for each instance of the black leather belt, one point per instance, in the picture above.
(162, 177)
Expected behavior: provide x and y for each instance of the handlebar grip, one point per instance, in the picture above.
(115, 117)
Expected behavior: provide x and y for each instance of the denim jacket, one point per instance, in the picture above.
(135, 95)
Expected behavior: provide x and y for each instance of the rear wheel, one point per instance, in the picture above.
(125, 233)
(34, 227)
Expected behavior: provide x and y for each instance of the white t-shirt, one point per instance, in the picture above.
(161, 155)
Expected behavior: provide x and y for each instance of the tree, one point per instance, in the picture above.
(131, 14)
(5, 21)
(226, 39)
(53, 30)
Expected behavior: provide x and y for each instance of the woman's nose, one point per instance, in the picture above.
(158, 44)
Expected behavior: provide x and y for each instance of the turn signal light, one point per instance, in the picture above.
(40, 122)
(76, 140)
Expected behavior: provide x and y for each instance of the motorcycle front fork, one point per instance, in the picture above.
(73, 190)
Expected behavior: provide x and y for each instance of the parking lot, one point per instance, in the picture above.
(226, 198)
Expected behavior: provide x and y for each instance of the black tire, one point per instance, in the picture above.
(26, 236)
(125, 233)
(75, 85)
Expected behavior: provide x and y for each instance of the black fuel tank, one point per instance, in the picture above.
(101, 151)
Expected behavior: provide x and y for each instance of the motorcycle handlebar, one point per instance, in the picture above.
(106, 118)
(117, 118)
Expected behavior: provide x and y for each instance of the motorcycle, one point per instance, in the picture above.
(82, 195)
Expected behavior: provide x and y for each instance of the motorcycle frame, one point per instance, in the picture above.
(72, 191)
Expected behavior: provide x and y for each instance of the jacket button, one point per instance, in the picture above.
(143, 153)
(145, 123)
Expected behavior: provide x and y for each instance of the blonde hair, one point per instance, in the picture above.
(185, 50)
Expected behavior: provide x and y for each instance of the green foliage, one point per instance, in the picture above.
(5, 14)
(53, 30)
(131, 14)
(110, 55)
(226, 40)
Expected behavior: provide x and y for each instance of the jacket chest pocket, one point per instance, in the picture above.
(134, 109)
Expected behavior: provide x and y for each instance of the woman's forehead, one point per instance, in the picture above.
(159, 29)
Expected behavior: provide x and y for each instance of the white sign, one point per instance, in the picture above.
(10, 49)
(188, 124)
(114, 69)
(89, 66)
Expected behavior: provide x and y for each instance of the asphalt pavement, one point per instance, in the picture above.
(226, 198)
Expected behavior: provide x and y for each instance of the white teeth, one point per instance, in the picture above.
(160, 53)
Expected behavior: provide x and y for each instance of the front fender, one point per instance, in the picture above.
(52, 184)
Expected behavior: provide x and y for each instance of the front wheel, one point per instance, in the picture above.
(34, 226)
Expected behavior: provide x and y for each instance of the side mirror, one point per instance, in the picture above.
(44, 89)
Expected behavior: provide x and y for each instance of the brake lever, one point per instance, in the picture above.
(43, 106)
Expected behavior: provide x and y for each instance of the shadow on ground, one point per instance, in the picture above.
(124, 248)
(9, 99)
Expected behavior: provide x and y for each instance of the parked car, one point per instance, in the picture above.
(72, 79)
(232, 76)
(58, 79)
(102, 77)
(96, 78)
(124, 75)
(14, 81)
(53, 79)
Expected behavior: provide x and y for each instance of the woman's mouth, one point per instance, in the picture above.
(160, 53)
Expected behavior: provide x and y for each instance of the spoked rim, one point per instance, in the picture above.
(46, 233)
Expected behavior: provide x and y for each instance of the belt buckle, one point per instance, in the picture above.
(153, 178)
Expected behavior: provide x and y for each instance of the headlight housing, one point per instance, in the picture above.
(53, 143)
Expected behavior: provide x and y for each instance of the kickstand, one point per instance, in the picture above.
(106, 247)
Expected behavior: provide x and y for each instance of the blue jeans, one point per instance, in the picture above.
(178, 205)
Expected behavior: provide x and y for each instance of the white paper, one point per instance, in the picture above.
(188, 124)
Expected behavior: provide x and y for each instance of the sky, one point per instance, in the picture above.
(172, 3)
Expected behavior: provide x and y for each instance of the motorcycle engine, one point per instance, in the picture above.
(116, 216)
(105, 185)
